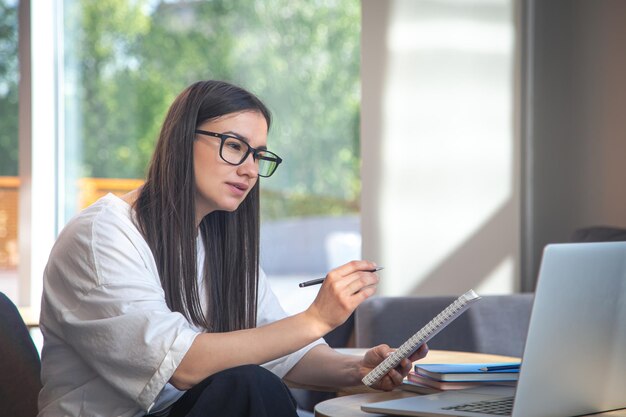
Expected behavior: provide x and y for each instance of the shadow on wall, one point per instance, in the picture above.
(309, 246)
(486, 242)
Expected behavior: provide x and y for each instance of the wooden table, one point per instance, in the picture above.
(348, 404)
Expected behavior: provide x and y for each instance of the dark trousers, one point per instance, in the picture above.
(244, 391)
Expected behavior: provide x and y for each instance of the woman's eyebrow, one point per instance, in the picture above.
(235, 134)
(245, 139)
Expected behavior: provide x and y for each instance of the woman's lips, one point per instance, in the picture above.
(238, 188)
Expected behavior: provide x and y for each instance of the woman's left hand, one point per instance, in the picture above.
(394, 377)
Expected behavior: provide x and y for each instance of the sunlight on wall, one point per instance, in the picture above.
(448, 211)
(499, 281)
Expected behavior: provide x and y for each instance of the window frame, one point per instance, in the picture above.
(38, 141)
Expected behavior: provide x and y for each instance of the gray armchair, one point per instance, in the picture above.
(599, 234)
(19, 364)
(495, 324)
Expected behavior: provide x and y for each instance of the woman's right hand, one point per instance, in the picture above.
(343, 290)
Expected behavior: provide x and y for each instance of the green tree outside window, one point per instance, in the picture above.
(130, 58)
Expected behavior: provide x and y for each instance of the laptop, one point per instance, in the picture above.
(574, 360)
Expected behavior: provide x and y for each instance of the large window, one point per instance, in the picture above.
(124, 62)
(118, 64)
(9, 183)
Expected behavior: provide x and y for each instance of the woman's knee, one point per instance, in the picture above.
(258, 385)
(248, 390)
(250, 373)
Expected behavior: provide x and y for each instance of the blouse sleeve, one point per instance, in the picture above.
(269, 310)
(104, 300)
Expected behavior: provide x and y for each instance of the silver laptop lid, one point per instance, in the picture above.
(574, 361)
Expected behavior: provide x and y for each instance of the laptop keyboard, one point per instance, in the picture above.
(501, 407)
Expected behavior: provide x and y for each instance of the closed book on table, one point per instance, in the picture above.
(439, 386)
(470, 371)
(408, 385)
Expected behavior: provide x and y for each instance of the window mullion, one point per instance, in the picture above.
(37, 142)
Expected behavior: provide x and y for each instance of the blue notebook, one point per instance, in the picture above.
(500, 371)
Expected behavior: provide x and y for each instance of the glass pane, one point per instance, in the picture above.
(125, 61)
(9, 182)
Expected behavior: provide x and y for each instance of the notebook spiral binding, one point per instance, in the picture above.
(433, 327)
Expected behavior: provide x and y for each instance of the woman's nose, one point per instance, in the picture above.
(249, 166)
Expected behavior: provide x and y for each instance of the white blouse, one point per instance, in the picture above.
(111, 344)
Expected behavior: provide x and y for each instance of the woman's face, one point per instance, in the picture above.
(219, 185)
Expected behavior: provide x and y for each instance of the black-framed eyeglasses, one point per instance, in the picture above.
(234, 150)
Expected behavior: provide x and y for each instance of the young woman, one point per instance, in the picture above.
(154, 303)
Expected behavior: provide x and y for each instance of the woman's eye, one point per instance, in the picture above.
(234, 146)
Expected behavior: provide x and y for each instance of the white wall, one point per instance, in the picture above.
(440, 199)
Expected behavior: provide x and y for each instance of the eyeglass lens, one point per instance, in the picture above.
(235, 151)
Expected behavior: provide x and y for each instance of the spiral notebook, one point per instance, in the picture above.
(422, 336)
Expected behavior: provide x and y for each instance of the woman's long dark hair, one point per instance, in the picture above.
(165, 215)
